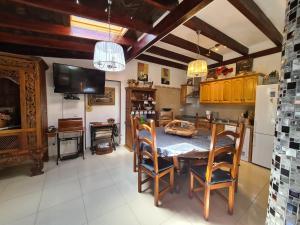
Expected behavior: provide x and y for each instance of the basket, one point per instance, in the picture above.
(3, 123)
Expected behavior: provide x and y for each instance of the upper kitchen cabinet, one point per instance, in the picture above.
(250, 84)
(205, 92)
(234, 90)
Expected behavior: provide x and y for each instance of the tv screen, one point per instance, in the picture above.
(76, 80)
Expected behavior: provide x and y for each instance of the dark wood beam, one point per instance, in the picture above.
(262, 53)
(169, 54)
(45, 42)
(209, 31)
(21, 23)
(152, 59)
(159, 5)
(71, 8)
(44, 52)
(190, 46)
(252, 11)
(177, 16)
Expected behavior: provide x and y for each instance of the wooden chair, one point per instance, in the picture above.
(150, 163)
(134, 144)
(217, 175)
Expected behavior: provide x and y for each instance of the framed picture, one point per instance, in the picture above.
(142, 71)
(189, 81)
(165, 76)
(244, 66)
(107, 99)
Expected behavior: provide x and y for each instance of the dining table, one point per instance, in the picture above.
(196, 147)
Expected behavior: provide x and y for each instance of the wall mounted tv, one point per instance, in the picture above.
(76, 80)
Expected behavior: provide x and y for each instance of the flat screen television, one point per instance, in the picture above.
(76, 80)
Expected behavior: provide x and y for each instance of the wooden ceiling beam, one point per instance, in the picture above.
(177, 16)
(209, 31)
(252, 11)
(99, 14)
(262, 53)
(152, 59)
(192, 47)
(169, 54)
(45, 42)
(44, 52)
(21, 23)
(159, 5)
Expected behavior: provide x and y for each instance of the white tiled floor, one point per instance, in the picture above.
(102, 190)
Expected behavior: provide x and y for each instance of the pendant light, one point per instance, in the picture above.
(197, 68)
(109, 56)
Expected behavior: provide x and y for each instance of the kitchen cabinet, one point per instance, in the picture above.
(250, 89)
(205, 92)
(234, 90)
(237, 90)
(227, 91)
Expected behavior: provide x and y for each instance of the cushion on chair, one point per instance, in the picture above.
(162, 164)
(218, 176)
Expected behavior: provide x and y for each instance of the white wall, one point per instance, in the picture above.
(59, 108)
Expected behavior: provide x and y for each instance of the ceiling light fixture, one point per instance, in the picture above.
(109, 56)
(197, 68)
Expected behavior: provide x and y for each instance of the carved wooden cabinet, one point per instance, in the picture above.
(25, 139)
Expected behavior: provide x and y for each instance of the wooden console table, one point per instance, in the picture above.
(70, 126)
(102, 134)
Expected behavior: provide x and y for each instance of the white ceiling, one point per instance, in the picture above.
(226, 18)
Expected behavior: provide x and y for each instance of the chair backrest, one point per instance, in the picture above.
(146, 141)
(133, 132)
(235, 150)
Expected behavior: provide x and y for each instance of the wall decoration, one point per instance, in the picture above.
(211, 74)
(244, 66)
(189, 81)
(165, 76)
(142, 71)
(284, 196)
(107, 99)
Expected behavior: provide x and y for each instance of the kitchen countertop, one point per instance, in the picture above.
(216, 121)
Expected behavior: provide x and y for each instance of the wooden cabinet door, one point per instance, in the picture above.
(183, 93)
(205, 92)
(220, 87)
(227, 91)
(237, 94)
(214, 92)
(250, 89)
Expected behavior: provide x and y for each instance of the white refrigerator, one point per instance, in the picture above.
(264, 124)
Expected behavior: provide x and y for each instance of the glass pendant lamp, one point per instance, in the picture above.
(198, 67)
(109, 56)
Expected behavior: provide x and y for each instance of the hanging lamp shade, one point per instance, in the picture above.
(197, 68)
(109, 56)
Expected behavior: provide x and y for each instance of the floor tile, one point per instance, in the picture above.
(95, 181)
(28, 220)
(21, 188)
(60, 193)
(18, 208)
(102, 201)
(71, 212)
(122, 215)
(103, 190)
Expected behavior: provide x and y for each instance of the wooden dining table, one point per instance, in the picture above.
(187, 148)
